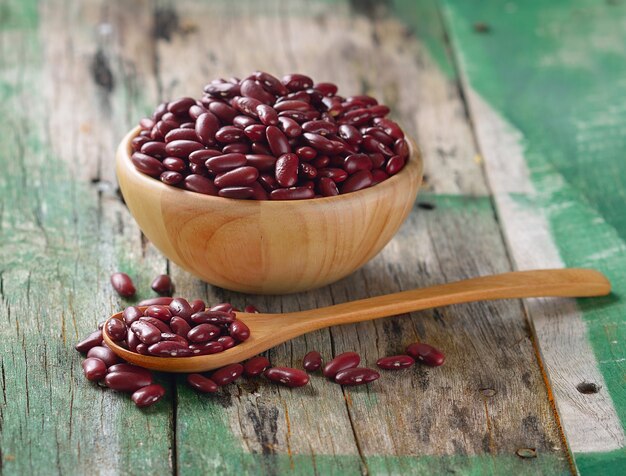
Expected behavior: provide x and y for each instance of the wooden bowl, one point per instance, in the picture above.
(268, 247)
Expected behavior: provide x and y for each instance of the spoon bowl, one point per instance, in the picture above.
(269, 330)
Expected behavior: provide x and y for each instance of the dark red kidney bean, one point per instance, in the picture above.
(370, 144)
(426, 353)
(258, 192)
(180, 326)
(127, 381)
(355, 162)
(181, 106)
(226, 162)
(138, 142)
(201, 156)
(395, 362)
(147, 333)
(206, 348)
(224, 112)
(312, 361)
(158, 311)
(167, 348)
(236, 148)
(290, 127)
(292, 193)
(271, 83)
(239, 331)
(142, 349)
(182, 148)
(253, 89)
(116, 329)
(243, 121)
(401, 148)
(327, 187)
(356, 376)
(132, 341)
(94, 369)
(240, 193)
(358, 181)
(319, 143)
(171, 336)
(223, 307)
(124, 367)
(148, 395)
(174, 164)
(246, 105)
(334, 106)
(357, 117)
(146, 123)
(238, 177)
(251, 309)
(379, 110)
(268, 182)
(229, 134)
(154, 149)
(320, 127)
(278, 142)
(287, 376)
(203, 333)
(197, 305)
(291, 105)
(162, 326)
(308, 183)
(159, 111)
(307, 171)
(92, 340)
(206, 126)
(267, 115)
(131, 314)
(350, 134)
(181, 134)
(255, 132)
(171, 178)
(287, 170)
(165, 301)
(300, 116)
(222, 89)
(363, 99)
(227, 342)
(326, 89)
(378, 176)
(394, 165)
(378, 160)
(379, 135)
(162, 284)
(337, 175)
(188, 125)
(227, 374)
(147, 165)
(103, 353)
(346, 360)
(255, 366)
(296, 82)
(321, 161)
(161, 128)
(213, 317)
(202, 383)
(260, 148)
(180, 307)
(170, 117)
(196, 111)
(261, 162)
(198, 183)
(391, 128)
(306, 153)
(122, 284)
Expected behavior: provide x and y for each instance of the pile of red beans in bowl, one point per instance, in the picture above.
(175, 327)
(267, 138)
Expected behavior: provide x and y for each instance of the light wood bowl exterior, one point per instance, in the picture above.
(268, 247)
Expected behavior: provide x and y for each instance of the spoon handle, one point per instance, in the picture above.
(573, 282)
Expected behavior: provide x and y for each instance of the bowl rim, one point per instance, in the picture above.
(414, 160)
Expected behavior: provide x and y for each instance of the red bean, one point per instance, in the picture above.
(180, 307)
(122, 284)
(246, 105)
(327, 187)
(306, 153)
(292, 105)
(223, 307)
(207, 125)
(297, 82)
(202, 383)
(395, 362)
(251, 309)
(131, 314)
(401, 148)
(236, 148)
(227, 374)
(203, 333)
(239, 331)
(206, 348)
(321, 162)
(200, 184)
(379, 176)
(226, 162)
(255, 366)
(92, 340)
(240, 193)
(180, 134)
(267, 115)
(148, 395)
(238, 177)
(360, 180)
(287, 170)
(127, 381)
(426, 353)
(171, 178)
(94, 368)
(277, 141)
(132, 341)
(261, 162)
(182, 148)
(394, 165)
(312, 361)
(319, 143)
(181, 106)
(356, 376)
(258, 192)
(165, 301)
(355, 162)
(290, 127)
(162, 284)
(201, 156)
(116, 329)
(142, 349)
(320, 127)
(229, 134)
(326, 89)
(255, 132)
(370, 144)
(123, 367)
(307, 171)
(287, 376)
(213, 317)
(337, 175)
(269, 82)
(138, 142)
(260, 148)
(346, 360)
(198, 305)
(350, 134)
(242, 121)
(227, 342)
(158, 311)
(292, 193)
(253, 89)
(168, 348)
(154, 149)
(196, 111)
(180, 326)
(147, 333)
(222, 89)
(224, 112)
(300, 116)
(390, 128)
(103, 353)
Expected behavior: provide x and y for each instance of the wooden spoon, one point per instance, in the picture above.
(269, 330)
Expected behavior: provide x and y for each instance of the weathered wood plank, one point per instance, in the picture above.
(554, 161)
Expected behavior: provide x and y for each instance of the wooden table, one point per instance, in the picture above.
(518, 108)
